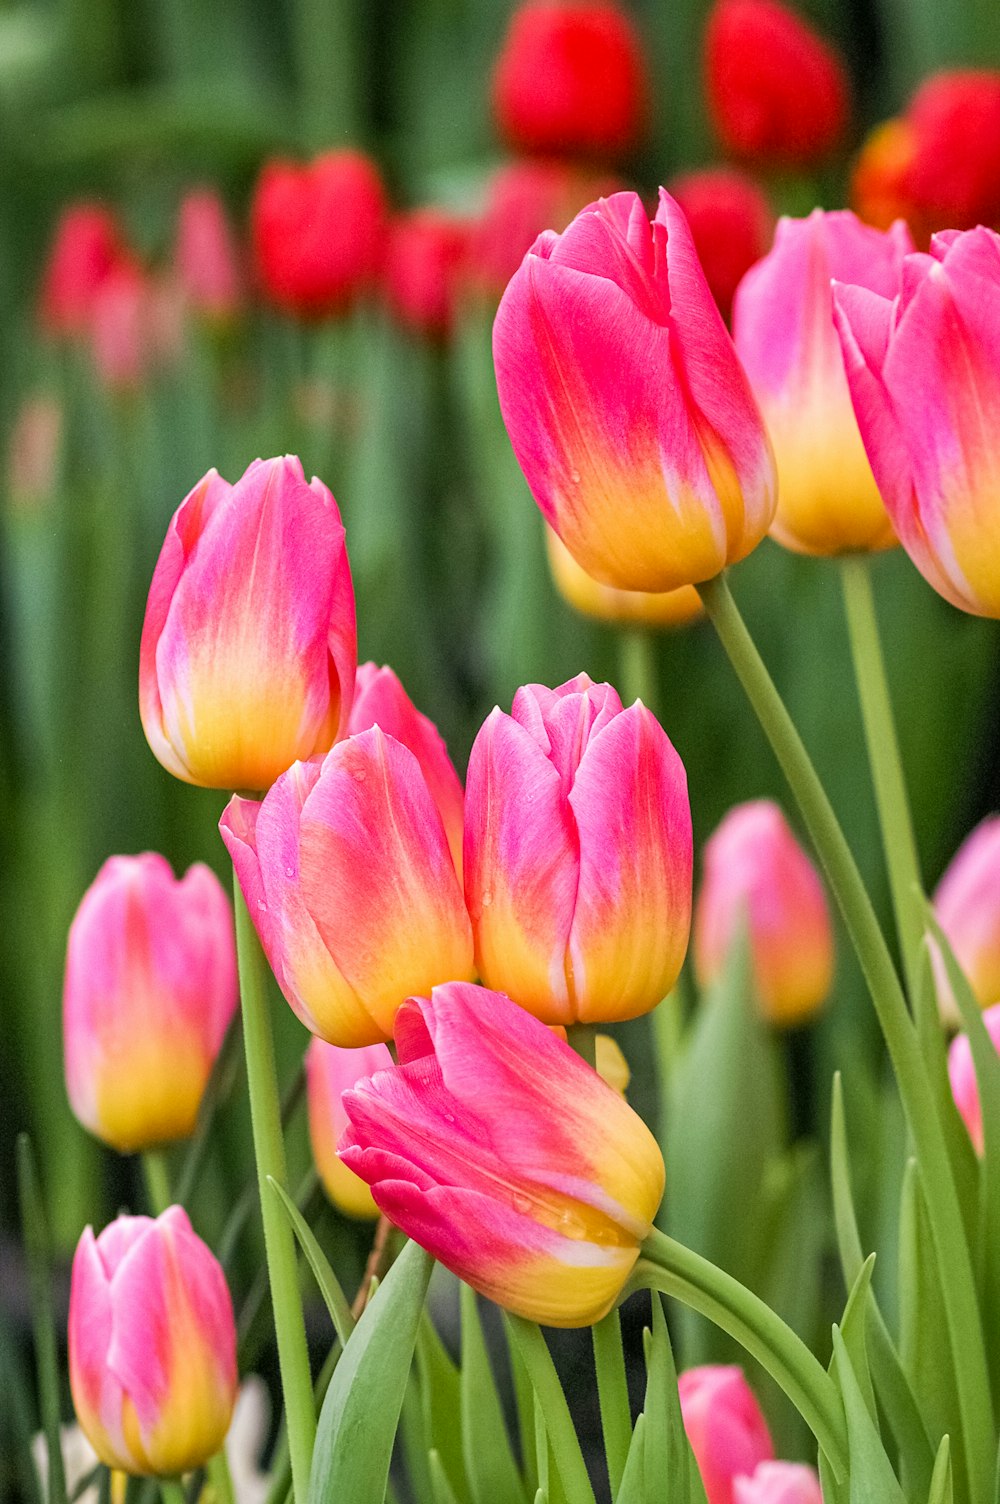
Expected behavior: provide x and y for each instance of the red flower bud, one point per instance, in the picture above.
(426, 253)
(954, 176)
(570, 78)
(88, 244)
(731, 225)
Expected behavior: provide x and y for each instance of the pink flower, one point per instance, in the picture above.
(426, 255)
(504, 1155)
(783, 327)
(925, 384)
(88, 244)
(330, 1071)
(207, 257)
(725, 1426)
(347, 874)
(658, 608)
(152, 1345)
(249, 645)
(626, 406)
(962, 1075)
(149, 993)
(578, 854)
(756, 873)
(967, 904)
(122, 343)
(779, 1483)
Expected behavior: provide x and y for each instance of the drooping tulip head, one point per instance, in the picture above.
(725, 1426)
(967, 905)
(962, 1075)
(330, 1072)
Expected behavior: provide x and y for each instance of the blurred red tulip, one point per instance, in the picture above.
(88, 243)
(121, 339)
(207, 257)
(880, 181)
(953, 179)
(731, 222)
(571, 78)
(426, 252)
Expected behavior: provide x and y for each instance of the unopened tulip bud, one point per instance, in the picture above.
(578, 854)
(121, 335)
(330, 1071)
(249, 645)
(783, 328)
(34, 453)
(967, 905)
(731, 224)
(348, 878)
(625, 403)
(962, 1075)
(505, 1156)
(779, 1483)
(880, 181)
(152, 1345)
(725, 1426)
(756, 873)
(427, 251)
(88, 244)
(954, 173)
(207, 257)
(667, 608)
(149, 993)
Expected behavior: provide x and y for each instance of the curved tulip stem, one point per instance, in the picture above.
(668, 1266)
(279, 1242)
(637, 667)
(895, 821)
(954, 1259)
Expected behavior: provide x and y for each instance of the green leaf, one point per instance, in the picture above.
(361, 1411)
(329, 1286)
(441, 1401)
(941, 1491)
(489, 1461)
(668, 1459)
(633, 1484)
(524, 1399)
(36, 1240)
(551, 1404)
(872, 1478)
(443, 1491)
(853, 1329)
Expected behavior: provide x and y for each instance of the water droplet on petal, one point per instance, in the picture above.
(521, 1204)
(487, 899)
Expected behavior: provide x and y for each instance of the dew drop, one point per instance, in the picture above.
(574, 476)
(262, 905)
(486, 900)
(289, 871)
(521, 1203)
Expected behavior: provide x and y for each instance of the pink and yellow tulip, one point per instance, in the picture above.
(330, 1072)
(152, 1345)
(578, 854)
(962, 1075)
(925, 383)
(640, 608)
(348, 878)
(967, 905)
(779, 1483)
(506, 1156)
(149, 992)
(828, 502)
(625, 403)
(725, 1426)
(249, 645)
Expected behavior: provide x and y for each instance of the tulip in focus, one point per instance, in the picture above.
(88, 244)
(149, 992)
(725, 1426)
(207, 257)
(318, 232)
(626, 406)
(779, 1483)
(731, 223)
(954, 175)
(329, 1073)
(249, 645)
(506, 1156)
(348, 878)
(666, 608)
(571, 79)
(962, 1075)
(756, 873)
(577, 854)
(426, 256)
(967, 905)
(381, 700)
(828, 502)
(152, 1345)
(925, 383)
(778, 94)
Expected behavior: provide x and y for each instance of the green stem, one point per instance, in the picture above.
(157, 1178)
(958, 1288)
(279, 1241)
(172, 1491)
(612, 1392)
(583, 1039)
(552, 1403)
(896, 824)
(221, 1479)
(637, 666)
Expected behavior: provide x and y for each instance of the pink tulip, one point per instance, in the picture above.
(665, 608)
(88, 244)
(121, 332)
(330, 1072)
(779, 1483)
(962, 1074)
(249, 645)
(783, 327)
(925, 382)
(152, 1345)
(627, 408)
(725, 1426)
(504, 1155)
(347, 875)
(381, 700)
(207, 257)
(967, 904)
(755, 872)
(149, 993)
(578, 854)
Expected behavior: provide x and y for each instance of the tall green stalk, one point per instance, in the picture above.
(958, 1289)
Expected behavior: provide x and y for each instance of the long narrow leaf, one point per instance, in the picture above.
(489, 1461)
(329, 1286)
(36, 1239)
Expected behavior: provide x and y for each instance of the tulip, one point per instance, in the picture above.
(34, 452)
(962, 1075)
(150, 990)
(577, 854)
(427, 251)
(347, 875)
(380, 700)
(967, 905)
(725, 1426)
(925, 384)
(506, 1156)
(778, 94)
(329, 1073)
(828, 502)
(571, 79)
(249, 645)
(880, 181)
(779, 1483)
(152, 1345)
(122, 343)
(666, 608)
(954, 176)
(207, 258)
(756, 873)
(88, 244)
(626, 406)
(731, 223)
(318, 230)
